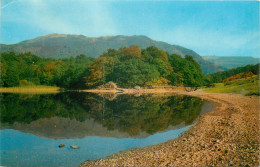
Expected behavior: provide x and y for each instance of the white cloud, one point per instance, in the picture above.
(91, 18)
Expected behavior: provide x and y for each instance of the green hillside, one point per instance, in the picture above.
(231, 61)
(245, 86)
(220, 76)
(65, 46)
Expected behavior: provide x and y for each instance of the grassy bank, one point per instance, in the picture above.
(245, 86)
(31, 89)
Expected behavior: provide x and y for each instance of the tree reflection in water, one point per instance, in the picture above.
(125, 113)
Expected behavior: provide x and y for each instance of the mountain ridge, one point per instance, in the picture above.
(67, 45)
(229, 62)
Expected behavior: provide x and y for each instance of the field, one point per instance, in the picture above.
(245, 86)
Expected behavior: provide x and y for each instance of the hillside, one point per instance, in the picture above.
(246, 86)
(231, 61)
(220, 76)
(64, 46)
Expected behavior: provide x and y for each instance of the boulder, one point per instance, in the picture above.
(74, 147)
(109, 85)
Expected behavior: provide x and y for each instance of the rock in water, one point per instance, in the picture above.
(75, 147)
(61, 145)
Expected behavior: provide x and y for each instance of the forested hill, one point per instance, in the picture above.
(127, 67)
(65, 46)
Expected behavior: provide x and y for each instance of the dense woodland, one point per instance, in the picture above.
(127, 67)
(26, 69)
(131, 66)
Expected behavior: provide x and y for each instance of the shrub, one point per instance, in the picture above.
(24, 83)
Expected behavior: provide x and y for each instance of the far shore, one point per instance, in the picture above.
(37, 89)
(135, 91)
(226, 136)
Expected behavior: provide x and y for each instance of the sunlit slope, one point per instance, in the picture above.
(245, 86)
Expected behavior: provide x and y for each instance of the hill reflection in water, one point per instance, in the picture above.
(32, 126)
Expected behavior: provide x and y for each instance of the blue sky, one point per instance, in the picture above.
(220, 28)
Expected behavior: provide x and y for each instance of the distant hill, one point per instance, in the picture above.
(64, 46)
(231, 61)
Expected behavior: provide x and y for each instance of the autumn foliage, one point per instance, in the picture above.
(127, 67)
(131, 66)
(238, 76)
(132, 51)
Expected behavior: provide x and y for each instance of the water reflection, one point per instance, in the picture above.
(100, 124)
(77, 115)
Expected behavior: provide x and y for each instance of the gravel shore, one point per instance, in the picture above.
(226, 136)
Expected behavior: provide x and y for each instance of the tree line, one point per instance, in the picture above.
(131, 66)
(127, 67)
(26, 69)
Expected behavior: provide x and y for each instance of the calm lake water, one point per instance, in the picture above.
(32, 126)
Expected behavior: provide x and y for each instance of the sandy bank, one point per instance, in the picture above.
(228, 135)
(30, 90)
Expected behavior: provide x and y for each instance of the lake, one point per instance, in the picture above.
(34, 125)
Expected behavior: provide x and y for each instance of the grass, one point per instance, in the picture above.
(245, 86)
(31, 89)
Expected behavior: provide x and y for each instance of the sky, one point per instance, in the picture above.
(229, 28)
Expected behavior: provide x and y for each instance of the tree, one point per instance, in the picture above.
(131, 52)
(153, 52)
(186, 72)
(100, 70)
(135, 72)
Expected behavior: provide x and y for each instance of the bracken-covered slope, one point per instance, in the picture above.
(64, 46)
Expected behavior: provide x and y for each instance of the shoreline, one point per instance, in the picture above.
(227, 135)
(28, 90)
(135, 91)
